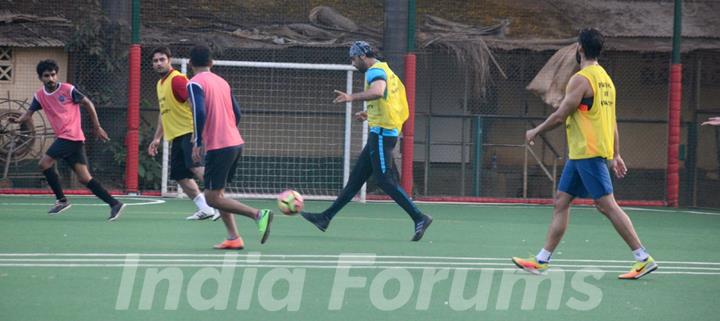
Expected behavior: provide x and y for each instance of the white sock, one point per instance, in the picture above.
(543, 256)
(640, 254)
(202, 205)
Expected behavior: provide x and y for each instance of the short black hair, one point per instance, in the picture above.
(161, 50)
(200, 56)
(47, 65)
(592, 42)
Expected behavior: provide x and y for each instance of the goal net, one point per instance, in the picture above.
(295, 137)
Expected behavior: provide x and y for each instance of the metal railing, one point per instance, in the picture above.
(472, 147)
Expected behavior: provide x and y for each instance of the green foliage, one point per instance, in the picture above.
(149, 169)
(101, 40)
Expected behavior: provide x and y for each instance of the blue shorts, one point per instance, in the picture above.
(586, 177)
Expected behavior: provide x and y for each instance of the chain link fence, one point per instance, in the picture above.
(93, 58)
(467, 142)
(471, 144)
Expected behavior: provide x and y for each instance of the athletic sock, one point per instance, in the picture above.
(100, 192)
(202, 204)
(54, 181)
(543, 256)
(640, 254)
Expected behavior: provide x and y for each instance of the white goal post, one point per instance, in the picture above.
(295, 138)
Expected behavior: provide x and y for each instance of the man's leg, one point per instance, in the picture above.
(221, 165)
(358, 176)
(94, 185)
(569, 187)
(233, 241)
(191, 189)
(47, 166)
(596, 178)
(216, 199)
(619, 219)
(182, 170)
(78, 162)
(559, 223)
(561, 216)
(623, 225)
(84, 177)
(263, 218)
(199, 173)
(384, 173)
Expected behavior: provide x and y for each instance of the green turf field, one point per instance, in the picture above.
(153, 265)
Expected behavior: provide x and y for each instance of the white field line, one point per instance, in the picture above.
(359, 261)
(146, 201)
(170, 262)
(371, 267)
(316, 256)
(671, 211)
(483, 205)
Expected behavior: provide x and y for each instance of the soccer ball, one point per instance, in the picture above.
(290, 202)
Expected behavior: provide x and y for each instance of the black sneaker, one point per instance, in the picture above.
(59, 207)
(116, 211)
(421, 226)
(319, 220)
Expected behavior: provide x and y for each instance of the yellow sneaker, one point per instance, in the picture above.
(640, 269)
(531, 265)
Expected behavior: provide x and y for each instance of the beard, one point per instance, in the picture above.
(577, 56)
(162, 70)
(51, 85)
(362, 67)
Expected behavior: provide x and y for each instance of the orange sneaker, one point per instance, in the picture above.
(236, 244)
(531, 265)
(640, 269)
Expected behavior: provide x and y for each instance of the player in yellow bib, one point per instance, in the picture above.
(588, 112)
(175, 124)
(387, 110)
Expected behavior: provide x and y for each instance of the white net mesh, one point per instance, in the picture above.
(295, 138)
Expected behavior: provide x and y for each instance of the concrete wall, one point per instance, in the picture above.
(25, 80)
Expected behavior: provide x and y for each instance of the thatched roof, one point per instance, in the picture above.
(643, 18)
(26, 30)
(642, 25)
(484, 26)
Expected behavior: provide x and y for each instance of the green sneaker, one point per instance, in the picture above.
(263, 221)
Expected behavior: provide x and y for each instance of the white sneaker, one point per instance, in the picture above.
(199, 216)
(216, 215)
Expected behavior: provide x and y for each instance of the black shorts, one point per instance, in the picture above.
(181, 158)
(73, 152)
(220, 165)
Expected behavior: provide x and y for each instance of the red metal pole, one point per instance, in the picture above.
(409, 127)
(675, 99)
(132, 140)
(674, 102)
